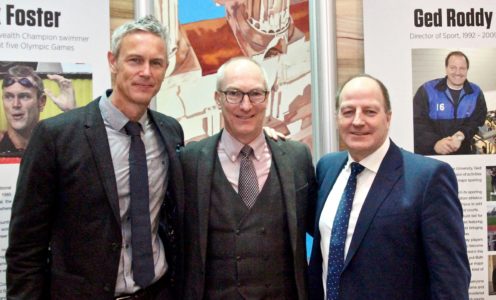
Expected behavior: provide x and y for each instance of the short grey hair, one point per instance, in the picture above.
(148, 23)
(222, 69)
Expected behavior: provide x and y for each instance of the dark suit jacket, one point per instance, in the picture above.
(295, 170)
(65, 235)
(409, 239)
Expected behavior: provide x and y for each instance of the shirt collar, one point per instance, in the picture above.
(374, 160)
(115, 118)
(232, 146)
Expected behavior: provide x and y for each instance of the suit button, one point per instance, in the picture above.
(238, 231)
(115, 246)
(262, 230)
(238, 258)
(238, 284)
(107, 288)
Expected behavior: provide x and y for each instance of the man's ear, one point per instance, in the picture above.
(112, 61)
(218, 100)
(42, 102)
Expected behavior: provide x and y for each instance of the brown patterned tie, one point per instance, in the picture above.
(248, 181)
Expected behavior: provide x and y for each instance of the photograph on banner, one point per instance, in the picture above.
(205, 34)
(33, 91)
(491, 226)
(492, 274)
(491, 183)
(454, 101)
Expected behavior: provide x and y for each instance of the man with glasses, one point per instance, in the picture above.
(24, 98)
(249, 198)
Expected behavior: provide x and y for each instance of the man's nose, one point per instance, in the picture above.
(245, 103)
(16, 102)
(358, 118)
(146, 71)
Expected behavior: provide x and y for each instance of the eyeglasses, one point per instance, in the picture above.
(25, 82)
(235, 96)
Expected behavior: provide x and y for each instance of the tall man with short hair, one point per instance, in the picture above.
(448, 111)
(389, 223)
(93, 214)
(250, 200)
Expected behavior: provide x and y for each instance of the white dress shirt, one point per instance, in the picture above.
(364, 182)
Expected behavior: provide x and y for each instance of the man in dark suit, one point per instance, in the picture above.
(72, 232)
(404, 238)
(246, 240)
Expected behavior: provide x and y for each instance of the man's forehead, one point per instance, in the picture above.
(133, 44)
(238, 74)
(362, 89)
(457, 58)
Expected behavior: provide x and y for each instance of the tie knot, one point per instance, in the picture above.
(356, 168)
(133, 128)
(246, 151)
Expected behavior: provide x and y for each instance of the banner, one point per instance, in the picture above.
(406, 47)
(205, 34)
(53, 60)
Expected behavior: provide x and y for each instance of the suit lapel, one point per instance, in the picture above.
(172, 147)
(389, 173)
(329, 178)
(95, 132)
(164, 130)
(205, 165)
(286, 178)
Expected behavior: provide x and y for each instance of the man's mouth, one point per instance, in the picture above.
(143, 85)
(244, 117)
(359, 133)
(17, 116)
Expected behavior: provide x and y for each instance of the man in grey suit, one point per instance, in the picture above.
(237, 248)
(71, 231)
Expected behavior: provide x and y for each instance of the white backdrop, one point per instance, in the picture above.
(406, 42)
(67, 33)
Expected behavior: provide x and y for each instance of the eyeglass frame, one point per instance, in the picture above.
(243, 94)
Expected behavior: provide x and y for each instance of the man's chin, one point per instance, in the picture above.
(359, 146)
(144, 98)
(18, 127)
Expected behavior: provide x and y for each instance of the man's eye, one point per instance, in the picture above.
(233, 93)
(157, 63)
(256, 93)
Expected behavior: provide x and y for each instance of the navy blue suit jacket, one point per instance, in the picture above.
(409, 239)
